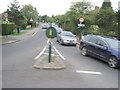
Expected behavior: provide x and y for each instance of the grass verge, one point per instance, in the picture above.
(21, 33)
(28, 29)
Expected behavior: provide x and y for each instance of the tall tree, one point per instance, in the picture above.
(30, 12)
(118, 17)
(81, 7)
(44, 18)
(69, 21)
(106, 20)
(77, 10)
(106, 4)
(14, 12)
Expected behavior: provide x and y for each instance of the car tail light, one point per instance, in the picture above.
(81, 41)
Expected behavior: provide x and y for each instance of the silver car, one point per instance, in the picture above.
(59, 30)
(67, 38)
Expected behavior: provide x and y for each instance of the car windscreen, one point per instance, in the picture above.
(67, 34)
(113, 43)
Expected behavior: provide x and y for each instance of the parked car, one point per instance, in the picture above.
(67, 38)
(59, 30)
(45, 26)
(102, 47)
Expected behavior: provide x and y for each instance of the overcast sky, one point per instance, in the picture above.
(53, 7)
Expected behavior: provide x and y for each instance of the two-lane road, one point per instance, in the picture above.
(80, 72)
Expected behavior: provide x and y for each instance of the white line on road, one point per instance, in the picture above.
(88, 72)
(47, 41)
(51, 54)
(59, 53)
(40, 53)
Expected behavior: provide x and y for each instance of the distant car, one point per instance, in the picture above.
(67, 38)
(102, 47)
(44, 26)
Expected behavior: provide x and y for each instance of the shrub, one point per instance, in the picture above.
(7, 28)
(23, 24)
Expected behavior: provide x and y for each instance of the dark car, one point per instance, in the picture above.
(102, 47)
(67, 38)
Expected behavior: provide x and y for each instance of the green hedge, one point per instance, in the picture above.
(7, 28)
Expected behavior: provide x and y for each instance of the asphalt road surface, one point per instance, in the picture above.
(80, 71)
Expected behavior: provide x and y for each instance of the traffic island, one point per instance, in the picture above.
(51, 59)
(55, 64)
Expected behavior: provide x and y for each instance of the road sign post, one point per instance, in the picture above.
(6, 17)
(50, 33)
(49, 59)
(81, 25)
(81, 20)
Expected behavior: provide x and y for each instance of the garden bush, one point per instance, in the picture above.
(7, 28)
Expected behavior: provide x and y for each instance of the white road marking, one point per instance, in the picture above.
(41, 53)
(48, 41)
(88, 72)
(45, 48)
(59, 53)
(51, 54)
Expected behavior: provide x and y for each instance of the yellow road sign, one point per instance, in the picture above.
(50, 32)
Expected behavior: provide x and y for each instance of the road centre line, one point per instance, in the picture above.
(41, 53)
(88, 72)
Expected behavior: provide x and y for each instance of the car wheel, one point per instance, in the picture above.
(112, 62)
(84, 51)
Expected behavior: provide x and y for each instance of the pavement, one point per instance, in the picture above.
(16, 38)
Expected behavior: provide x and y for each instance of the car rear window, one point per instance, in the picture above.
(113, 43)
(67, 34)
